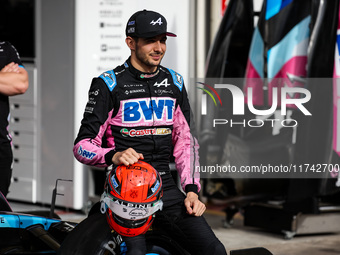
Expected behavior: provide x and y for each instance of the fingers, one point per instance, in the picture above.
(127, 157)
(11, 68)
(198, 208)
(187, 204)
(193, 205)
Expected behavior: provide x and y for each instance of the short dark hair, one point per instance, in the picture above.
(135, 38)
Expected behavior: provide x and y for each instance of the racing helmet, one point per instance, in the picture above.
(132, 194)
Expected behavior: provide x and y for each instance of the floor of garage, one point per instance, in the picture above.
(238, 236)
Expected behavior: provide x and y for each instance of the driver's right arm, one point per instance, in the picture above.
(88, 146)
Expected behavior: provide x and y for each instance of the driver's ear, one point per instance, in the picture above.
(130, 42)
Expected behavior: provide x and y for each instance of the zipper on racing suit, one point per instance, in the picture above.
(153, 120)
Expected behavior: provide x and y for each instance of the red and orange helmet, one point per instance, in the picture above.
(132, 194)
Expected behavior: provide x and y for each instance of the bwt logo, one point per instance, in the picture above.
(148, 110)
(239, 100)
(86, 154)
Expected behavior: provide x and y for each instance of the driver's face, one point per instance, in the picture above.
(150, 51)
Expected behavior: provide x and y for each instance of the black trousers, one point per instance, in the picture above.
(6, 160)
(194, 233)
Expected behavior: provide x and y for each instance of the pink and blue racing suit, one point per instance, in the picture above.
(147, 112)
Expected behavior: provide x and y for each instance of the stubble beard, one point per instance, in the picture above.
(144, 59)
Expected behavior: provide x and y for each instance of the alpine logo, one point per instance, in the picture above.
(131, 205)
(159, 22)
(86, 154)
(163, 83)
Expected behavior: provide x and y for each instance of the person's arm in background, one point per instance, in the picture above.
(13, 80)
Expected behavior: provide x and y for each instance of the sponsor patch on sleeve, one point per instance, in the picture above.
(109, 78)
(85, 154)
(178, 79)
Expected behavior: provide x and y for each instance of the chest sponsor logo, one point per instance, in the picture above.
(132, 91)
(163, 91)
(132, 85)
(142, 132)
(86, 154)
(163, 83)
(148, 110)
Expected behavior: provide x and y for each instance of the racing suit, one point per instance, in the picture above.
(8, 54)
(150, 113)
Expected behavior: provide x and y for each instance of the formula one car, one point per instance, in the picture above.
(45, 233)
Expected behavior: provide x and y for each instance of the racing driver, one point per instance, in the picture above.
(140, 111)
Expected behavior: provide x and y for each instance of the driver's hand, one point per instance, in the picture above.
(193, 205)
(10, 68)
(127, 157)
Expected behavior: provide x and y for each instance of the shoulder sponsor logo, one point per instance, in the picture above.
(85, 154)
(110, 79)
(94, 93)
(179, 78)
(91, 101)
(108, 75)
(163, 83)
(143, 132)
(148, 110)
(89, 109)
